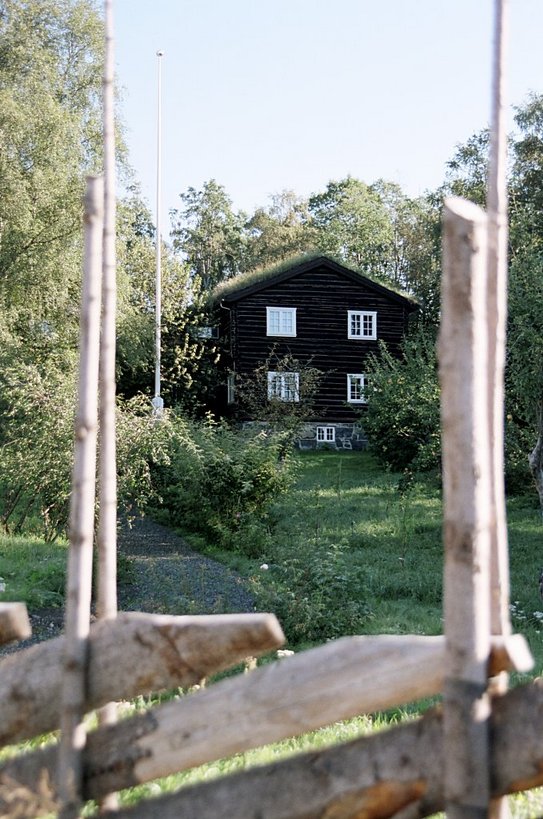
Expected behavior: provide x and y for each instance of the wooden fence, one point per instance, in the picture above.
(485, 742)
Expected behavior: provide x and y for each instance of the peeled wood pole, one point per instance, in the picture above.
(14, 622)
(497, 315)
(368, 774)
(467, 508)
(107, 525)
(370, 777)
(78, 598)
(107, 529)
(129, 655)
(276, 701)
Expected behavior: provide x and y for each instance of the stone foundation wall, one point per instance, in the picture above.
(345, 436)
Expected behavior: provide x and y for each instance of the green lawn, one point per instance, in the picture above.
(346, 552)
(32, 570)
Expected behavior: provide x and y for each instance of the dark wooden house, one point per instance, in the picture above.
(320, 313)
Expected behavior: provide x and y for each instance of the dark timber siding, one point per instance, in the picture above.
(322, 297)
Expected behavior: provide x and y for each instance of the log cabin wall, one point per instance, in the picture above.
(322, 293)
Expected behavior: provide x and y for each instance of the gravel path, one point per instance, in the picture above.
(166, 576)
(161, 575)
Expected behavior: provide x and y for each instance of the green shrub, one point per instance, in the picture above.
(402, 419)
(316, 596)
(38, 444)
(519, 442)
(220, 481)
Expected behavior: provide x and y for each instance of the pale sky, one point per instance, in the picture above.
(267, 95)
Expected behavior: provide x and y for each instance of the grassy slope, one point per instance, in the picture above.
(345, 512)
(32, 571)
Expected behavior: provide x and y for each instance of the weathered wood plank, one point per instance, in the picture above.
(373, 776)
(463, 370)
(14, 622)
(134, 654)
(275, 701)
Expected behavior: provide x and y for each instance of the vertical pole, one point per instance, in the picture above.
(79, 583)
(107, 526)
(497, 316)
(497, 313)
(466, 492)
(158, 402)
(107, 531)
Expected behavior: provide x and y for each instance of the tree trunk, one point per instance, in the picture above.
(535, 459)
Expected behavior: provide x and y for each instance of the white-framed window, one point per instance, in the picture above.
(281, 321)
(362, 324)
(231, 388)
(207, 332)
(284, 386)
(356, 388)
(326, 435)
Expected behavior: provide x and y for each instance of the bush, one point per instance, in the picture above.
(402, 421)
(519, 442)
(38, 444)
(220, 481)
(318, 596)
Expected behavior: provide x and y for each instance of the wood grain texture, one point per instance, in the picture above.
(463, 370)
(409, 756)
(134, 654)
(397, 773)
(14, 622)
(79, 580)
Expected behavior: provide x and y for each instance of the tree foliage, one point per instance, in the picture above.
(50, 79)
(352, 223)
(281, 230)
(208, 234)
(402, 418)
(219, 482)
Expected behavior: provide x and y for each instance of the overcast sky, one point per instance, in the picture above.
(267, 95)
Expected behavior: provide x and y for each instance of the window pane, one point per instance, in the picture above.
(289, 382)
(355, 324)
(355, 390)
(274, 321)
(286, 322)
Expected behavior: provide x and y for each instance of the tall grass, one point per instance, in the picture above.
(349, 549)
(32, 570)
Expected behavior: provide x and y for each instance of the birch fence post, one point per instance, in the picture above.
(107, 529)
(497, 311)
(106, 603)
(79, 583)
(466, 491)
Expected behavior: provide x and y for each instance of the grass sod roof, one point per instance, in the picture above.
(243, 283)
